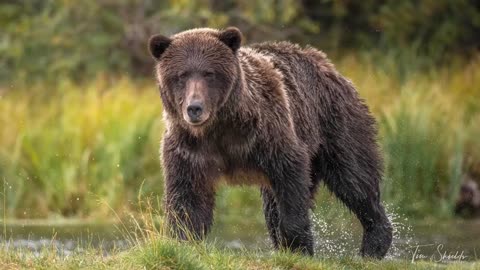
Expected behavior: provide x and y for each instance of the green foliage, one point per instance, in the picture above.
(426, 132)
(433, 28)
(78, 153)
(48, 39)
(42, 40)
(45, 40)
(424, 161)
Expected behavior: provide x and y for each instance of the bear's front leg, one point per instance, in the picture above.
(287, 169)
(189, 196)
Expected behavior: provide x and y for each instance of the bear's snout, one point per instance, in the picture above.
(194, 112)
(197, 107)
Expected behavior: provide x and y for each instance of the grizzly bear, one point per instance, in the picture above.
(274, 115)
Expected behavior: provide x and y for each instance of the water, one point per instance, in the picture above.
(437, 241)
(65, 238)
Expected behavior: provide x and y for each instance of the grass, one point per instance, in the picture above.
(81, 150)
(169, 254)
(427, 123)
(77, 147)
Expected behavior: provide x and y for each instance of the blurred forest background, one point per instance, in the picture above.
(80, 115)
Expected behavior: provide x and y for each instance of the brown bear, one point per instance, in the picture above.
(274, 115)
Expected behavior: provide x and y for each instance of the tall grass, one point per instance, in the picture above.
(82, 150)
(424, 159)
(427, 125)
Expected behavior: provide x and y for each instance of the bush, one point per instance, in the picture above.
(42, 40)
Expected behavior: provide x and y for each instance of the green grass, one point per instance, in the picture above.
(169, 254)
(84, 149)
(424, 160)
(79, 150)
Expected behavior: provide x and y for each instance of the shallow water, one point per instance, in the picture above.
(438, 241)
(441, 241)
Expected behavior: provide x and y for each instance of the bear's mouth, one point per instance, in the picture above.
(196, 124)
(199, 122)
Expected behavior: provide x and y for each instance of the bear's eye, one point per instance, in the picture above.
(208, 74)
(182, 76)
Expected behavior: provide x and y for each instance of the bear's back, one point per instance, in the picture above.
(303, 73)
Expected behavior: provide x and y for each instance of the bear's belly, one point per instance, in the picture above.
(246, 177)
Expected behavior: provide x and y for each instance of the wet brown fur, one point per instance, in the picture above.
(281, 117)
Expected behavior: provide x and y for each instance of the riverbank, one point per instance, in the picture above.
(168, 254)
(134, 246)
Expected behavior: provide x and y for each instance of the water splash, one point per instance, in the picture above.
(403, 238)
(340, 235)
(333, 237)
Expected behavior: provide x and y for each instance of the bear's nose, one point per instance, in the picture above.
(194, 111)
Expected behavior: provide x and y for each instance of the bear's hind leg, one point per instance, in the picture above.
(356, 183)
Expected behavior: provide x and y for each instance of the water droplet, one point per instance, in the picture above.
(402, 233)
(333, 240)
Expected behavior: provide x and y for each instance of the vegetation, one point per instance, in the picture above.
(66, 151)
(83, 149)
(81, 119)
(103, 35)
(168, 254)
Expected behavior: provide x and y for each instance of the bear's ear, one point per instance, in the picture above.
(232, 37)
(157, 45)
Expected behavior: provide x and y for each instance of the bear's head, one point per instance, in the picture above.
(196, 72)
